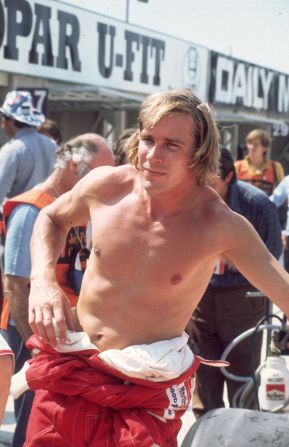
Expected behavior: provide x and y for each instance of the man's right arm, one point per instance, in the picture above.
(47, 301)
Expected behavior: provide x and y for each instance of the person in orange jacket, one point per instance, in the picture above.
(256, 168)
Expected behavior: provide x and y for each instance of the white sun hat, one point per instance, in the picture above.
(18, 105)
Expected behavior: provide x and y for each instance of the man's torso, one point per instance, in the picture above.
(144, 276)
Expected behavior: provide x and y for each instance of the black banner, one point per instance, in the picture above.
(242, 84)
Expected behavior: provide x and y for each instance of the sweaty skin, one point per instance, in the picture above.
(156, 237)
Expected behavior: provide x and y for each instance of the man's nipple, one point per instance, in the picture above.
(97, 251)
(176, 279)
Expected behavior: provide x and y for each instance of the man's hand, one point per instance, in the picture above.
(48, 301)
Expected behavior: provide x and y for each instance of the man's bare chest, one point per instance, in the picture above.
(127, 241)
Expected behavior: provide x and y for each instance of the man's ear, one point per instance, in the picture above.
(229, 177)
(80, 168)
(73, 167)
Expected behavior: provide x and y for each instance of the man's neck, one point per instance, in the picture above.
(53, 185)
(166, 203)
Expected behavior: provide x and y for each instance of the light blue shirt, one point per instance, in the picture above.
(25, 161)
(280, 195)
(17, 258)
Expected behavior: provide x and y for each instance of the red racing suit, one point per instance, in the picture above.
(80, 401)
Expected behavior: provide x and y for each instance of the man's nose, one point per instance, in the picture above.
(155, 153)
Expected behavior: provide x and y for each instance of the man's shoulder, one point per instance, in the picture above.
(46, 140)
(212, 205)
(28, 135)
(241, 164)
(252, 201)
(115, 174)
(109, 180)
(218, 222)
(11, 145)
(219, 218)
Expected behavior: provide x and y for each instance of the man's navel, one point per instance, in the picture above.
(176, 279)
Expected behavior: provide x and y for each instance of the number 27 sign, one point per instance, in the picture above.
(39, 96)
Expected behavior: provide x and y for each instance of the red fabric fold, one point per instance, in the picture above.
(88, 403)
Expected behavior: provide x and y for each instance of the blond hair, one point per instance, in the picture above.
(205, 152)
(263, 135)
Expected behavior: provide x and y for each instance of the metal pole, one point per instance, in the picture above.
(127, 10)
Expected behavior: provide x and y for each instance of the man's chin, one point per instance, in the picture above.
(150, 185)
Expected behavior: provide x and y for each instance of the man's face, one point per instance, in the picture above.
(255, 148)
(103, 157)
(165, 151)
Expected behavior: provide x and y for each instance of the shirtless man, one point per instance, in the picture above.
(157, 230)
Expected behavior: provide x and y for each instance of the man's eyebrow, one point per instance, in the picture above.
(174, 140)
(145, 133)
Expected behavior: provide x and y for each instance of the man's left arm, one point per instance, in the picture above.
(248, 253)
